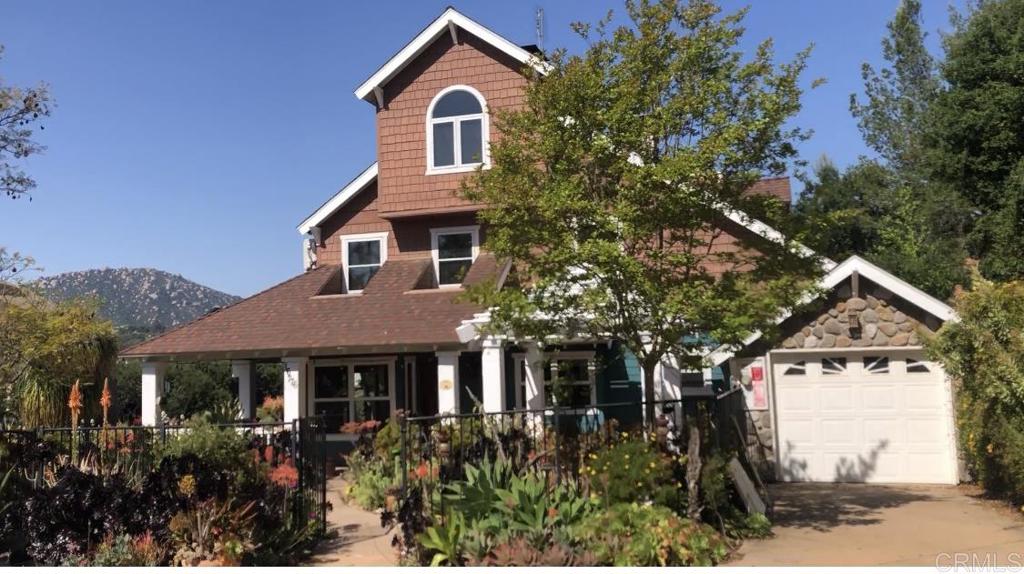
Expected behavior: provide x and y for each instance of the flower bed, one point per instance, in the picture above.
(208, 495)
(626, 504)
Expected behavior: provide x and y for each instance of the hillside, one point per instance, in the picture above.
(138, 300)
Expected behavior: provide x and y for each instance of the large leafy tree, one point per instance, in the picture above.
(887, 208)
(20, 110)
(976, 131)
(609, 188)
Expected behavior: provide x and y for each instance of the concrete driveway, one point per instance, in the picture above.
(879, 525)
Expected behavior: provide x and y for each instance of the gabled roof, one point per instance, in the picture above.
(344, 195)
(866, 269)
(449, 22)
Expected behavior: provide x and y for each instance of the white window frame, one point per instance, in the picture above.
(349, 365)
(473, 230)
(483, 116)
(520, 358)
(381, 236)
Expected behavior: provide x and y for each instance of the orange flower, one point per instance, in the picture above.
(268, 453)
(285, 474)
(552, 512)
(106, 399)
(422, 470)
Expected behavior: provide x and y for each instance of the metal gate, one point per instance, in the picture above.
(311, 494)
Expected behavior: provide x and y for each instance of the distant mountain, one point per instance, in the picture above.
(139, 301)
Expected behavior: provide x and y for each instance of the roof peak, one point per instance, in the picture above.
(449, 22)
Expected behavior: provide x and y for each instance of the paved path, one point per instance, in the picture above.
(356, 537)
(858, 524)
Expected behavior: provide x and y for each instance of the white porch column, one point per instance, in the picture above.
(295, 388)
(152, 391)
(241, 371)
(534, 378)
(447, 381)
(493, 374)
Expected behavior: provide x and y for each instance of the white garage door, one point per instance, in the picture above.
(867, 416)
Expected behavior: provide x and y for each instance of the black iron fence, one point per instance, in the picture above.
(133, 452)
(557, 440)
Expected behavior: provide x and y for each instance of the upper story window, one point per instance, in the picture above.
(454, 250)
(362, 256)
(456, 131)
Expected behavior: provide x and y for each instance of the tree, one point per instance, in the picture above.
(20, 109)
(899, 95)
(976, 131)
(888, 209)
(44, 348)
(608, 189)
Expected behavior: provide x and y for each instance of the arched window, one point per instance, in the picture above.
(456, 130)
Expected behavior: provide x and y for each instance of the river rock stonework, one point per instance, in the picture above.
(855, 322)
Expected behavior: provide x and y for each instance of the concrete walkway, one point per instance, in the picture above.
(875, 525)
(355, 536)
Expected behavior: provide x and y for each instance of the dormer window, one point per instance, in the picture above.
(456, 131)
(454, 250)
(362, 256)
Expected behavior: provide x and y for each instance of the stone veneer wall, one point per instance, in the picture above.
(877, 324)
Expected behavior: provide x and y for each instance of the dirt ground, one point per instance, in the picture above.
(886, 525)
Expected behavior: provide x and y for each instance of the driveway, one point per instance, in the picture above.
(884, 525)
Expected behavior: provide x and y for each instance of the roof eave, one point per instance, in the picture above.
(370, 90)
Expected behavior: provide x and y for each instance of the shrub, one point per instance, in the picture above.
(222, 449)
(125, 550)
(647, 535)
(983, 352)
(634, 470)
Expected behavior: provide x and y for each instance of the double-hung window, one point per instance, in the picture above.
(361, 257)
(454, 250)
(456, 131)
(569, 380)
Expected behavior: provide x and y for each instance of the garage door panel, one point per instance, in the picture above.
(884, 433)
(880, 397)
(928, 431)
(798, 399)
(859, 426)
(923, 397)
(836, 432)
(837, 397)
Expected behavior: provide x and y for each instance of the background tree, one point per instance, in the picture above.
(889, 209)
(976, 131)
(20, 110)
(608, 187)
(44, 348)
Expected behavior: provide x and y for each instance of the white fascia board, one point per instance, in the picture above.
(443, 25)
(770, 233)
(836, 276)
(343, 196)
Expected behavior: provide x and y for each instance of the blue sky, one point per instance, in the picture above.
(193, 136)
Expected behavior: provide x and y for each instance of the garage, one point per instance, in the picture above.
(842, 391)
(873, 415)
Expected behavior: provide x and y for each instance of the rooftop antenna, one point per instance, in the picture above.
(539, 22)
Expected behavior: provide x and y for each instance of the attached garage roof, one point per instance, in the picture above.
(294, 317)
(840, 273)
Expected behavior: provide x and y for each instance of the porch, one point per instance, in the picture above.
(491, 375)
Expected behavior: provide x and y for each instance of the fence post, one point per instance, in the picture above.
(403, 426)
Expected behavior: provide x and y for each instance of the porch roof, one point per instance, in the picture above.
(301, 316)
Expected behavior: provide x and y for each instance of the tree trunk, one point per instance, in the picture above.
(649, 413)
(693, 468)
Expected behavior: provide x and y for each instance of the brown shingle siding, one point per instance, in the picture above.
(401, 124)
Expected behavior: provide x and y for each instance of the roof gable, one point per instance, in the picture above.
(449, 22)
(344, 195)
(843, 271)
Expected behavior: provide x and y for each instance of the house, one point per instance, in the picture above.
(376, 322)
